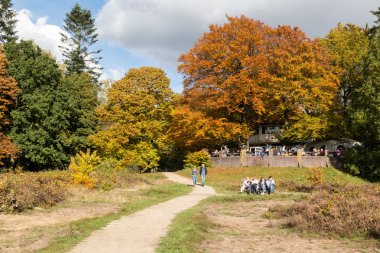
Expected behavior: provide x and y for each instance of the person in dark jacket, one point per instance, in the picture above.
(203, 173)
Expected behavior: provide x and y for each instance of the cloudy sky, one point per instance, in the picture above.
(137, 33)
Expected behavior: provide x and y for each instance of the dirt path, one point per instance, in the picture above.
(141, 231)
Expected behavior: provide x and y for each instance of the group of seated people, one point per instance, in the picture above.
(261, 186)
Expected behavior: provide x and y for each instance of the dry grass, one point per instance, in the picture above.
(236, 224)
(27, 190)
(20, 191)
(346, 211)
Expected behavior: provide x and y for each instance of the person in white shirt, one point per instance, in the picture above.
(246, 185)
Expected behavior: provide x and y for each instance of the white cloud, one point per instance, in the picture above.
(163, 29)
(45, 35)
(113, 74)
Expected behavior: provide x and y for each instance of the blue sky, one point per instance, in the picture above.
(135, 33)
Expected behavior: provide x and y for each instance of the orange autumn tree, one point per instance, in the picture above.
(192, 130)
(248, 72)
(8, 96)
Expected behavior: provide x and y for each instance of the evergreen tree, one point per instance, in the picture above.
(81, 35)
(7, 22)
(39, 121)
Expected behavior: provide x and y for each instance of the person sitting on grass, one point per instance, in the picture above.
(246, 185)
(262, 186)
(271, 184)
(254, 186)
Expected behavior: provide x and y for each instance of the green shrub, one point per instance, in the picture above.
(362, 161)
(195, 159)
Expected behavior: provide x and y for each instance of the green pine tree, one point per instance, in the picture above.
(7, 22)
(81, 36)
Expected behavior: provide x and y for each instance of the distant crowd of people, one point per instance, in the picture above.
(255, 186)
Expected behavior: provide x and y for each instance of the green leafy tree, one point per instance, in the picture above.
(135, 118)
(39, 119)
(78, 41)
(366, 98)
(7, 22)
(347, 45)
(77, 96)
(365, 112)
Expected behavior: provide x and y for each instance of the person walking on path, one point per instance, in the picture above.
(194, 174)
(203, 173)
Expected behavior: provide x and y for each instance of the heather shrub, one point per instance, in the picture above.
(316, 177)
(20, 191)
(345, 211)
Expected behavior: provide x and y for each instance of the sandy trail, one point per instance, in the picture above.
(141, 231)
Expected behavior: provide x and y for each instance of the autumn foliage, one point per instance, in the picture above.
(248, 72)
(8, 96)
(193, 130)
(135, 118)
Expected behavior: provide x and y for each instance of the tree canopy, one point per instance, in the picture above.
(135, 118)
(9, 92)
(248, 72)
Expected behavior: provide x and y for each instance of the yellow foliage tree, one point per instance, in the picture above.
(135, 118)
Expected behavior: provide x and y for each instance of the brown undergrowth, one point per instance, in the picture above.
(26, 190)
(344, 210)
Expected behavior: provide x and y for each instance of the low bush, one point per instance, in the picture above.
(82, 166)
(345, 211)
(20, 191)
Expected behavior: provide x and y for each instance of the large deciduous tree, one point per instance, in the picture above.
(8, 97)
(192, 130)
(39, 119)
(348, 46)
(7, 22)
(135, 118)
(77, 97)
(365, 111)
(78, 42)
(248, 72)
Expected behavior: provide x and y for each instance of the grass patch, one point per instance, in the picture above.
(228, 180)
(187, 230)
(191, 226)
(139, 200)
